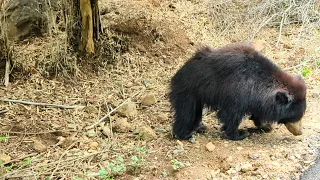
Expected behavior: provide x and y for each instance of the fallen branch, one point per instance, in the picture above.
(35, 133)
(43, 104)
(113, 110)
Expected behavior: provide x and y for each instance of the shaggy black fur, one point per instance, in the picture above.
(235, 81)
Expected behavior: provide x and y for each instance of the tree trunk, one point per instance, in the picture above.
(83, 24)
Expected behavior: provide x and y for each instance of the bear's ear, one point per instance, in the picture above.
(283, 97)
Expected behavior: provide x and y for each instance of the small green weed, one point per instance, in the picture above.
(176, 164)
(103, 173)
(25, 162)
(117, 167)
(4, 138)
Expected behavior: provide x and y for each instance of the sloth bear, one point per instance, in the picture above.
(235, 80)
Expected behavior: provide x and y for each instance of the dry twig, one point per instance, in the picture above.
(42, 104)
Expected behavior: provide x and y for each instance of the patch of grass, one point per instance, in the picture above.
(116, 167)
(177, 165)
(4, 138)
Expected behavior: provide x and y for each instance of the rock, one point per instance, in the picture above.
(106, 131)
(128, 109)
(246, 167)
(192, 139)
(91, 133)
(210, 147)
(239, 148)
(72, 126)
(121, 125)
(161, 130)
(38, 146)
(4, 158)
(225, 166)
(231, 171)
(93, 146)
(162, 117)
(67, 142)
(179, 143)
(149, 99)
(254, 156)
(90, 109)
(146, 133)
(256, 173)
(164, 174)
(315, 95)
(25, 18)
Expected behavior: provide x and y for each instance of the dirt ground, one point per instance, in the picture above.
(54, 143)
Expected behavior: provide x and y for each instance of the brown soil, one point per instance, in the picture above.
(163, 35)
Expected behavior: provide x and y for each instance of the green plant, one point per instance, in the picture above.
(103, 173)
(141, 150)
(176, 164)
(8, 168)
(117, 166)
(4, 138)
(136, 162)
(305, 72)
(25, 162)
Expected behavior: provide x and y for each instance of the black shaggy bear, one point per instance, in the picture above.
(235, 81)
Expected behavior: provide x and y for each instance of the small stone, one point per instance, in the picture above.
(4, 158)
(38, 146)
(225, 166)
(121, 125)
(231, 171)
(93, 146)
(214, 173)
(91, 109)
(67, 142)
(298, 156)
(192, 139)
(246, 167)
(178, 151)
(162, 117)
(307, 163)
(179, 143)
(72, 126)
(161, 130)
(106, 131)
(239, 148)
(210, 147)
(164, 174)
(146, 133)
(254, 156)
(315, 95)
(256, 173)
(149, 99)
(128, 109)
(91, 133)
